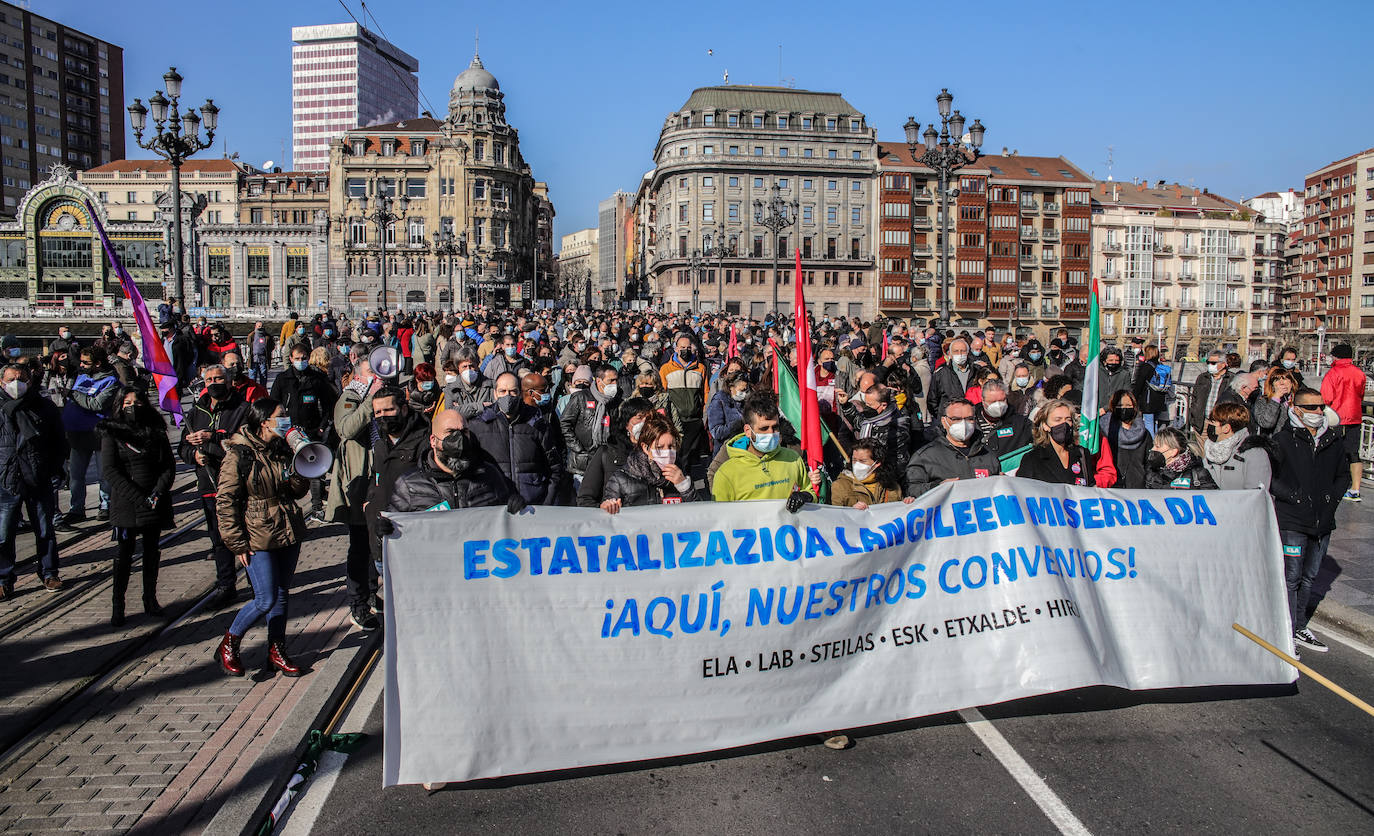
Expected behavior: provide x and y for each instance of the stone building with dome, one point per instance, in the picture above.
(461, 178)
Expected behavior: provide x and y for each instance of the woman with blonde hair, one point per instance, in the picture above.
(1270, 410)
(1056, 456)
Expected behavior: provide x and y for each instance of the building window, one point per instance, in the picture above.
(832, 185)
(388, 148)
(758, 182)
(758, 121)
(853, 126)
(807, 184)
(856, 215)
(782, 184)
(734, 150)
(255, 216)
(415, 232)
(734, 211)
(417, 148)
(357, 231)
(359, 147)
(479, 150)
(259, 267)
(782, 152)
(217, 267)
(758, 150)
(479, 189)
(356, 188)
(297, 267)
(733, 182)
(498, 152)
(806, 152)
(830, 124)
(832, 154)
(131, 197)
(708, 211)
(733, 120)
(415, 187)
(708, 149)
(708, 119)
(708, 182)
(831, 215)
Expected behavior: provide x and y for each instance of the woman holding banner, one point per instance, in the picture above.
(869, 480)
(1056, 455)
(1173, 466)
(650, 475)
(1125, 433)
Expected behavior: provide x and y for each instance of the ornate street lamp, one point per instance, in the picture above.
(775, 217)
(696, 264)
(720, 246)
(177, 137)
(379, 210)
(447, 246)
(945, 152)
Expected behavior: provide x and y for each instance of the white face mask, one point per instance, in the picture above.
(469, 376)
(1213, 368)
(995, 409)
(1023, 382)
(959, 359)
(635, 429)
(961, 430)
(610, 390)
(862, 470)
(1312, 420)
(16, 388)
(663, 458)
(450, 379)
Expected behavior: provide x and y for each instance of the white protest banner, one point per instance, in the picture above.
(569, 637)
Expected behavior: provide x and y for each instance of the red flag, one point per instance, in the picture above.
(810, 428)
(733, 350)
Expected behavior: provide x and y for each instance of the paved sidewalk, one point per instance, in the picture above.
(160, 743)
(1345, 585)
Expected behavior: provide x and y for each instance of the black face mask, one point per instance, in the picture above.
(218, 391)
(1211, 432)
(1062, 434)
(829, 365)
(646, 391)
(390, 424)
(1155, 459)
(508, 404)
(688, 357)
(454, 451)
(131, 414)
(1112, 368)
(1125, 414)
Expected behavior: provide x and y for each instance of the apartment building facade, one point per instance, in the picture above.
(343, 77)
(732, 145)
(1178, 266)
(61, 101)
(1019, 239)
(1336, 285)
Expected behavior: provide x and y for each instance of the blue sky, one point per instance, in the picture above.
(1239, 97)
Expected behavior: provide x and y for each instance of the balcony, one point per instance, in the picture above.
(1029, 207)
(1235, 278)
(1049, 287)
(923, 195)
(1029, 233)
(924, 277)
(1026, 287)
(921, 222)
(1111, 276)
(1188, 252)
(1049, 260)
(1237, 252)
(1049, 234)
(1164, 249)
(1049, 310)
(1164, 277)
(923, 250)
(1029, 260)
(1111, 246)
(1050, 208)
(1187, 278)
(1162, 304)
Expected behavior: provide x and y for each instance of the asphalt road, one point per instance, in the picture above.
(1212, 760)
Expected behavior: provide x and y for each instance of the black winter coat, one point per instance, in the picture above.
(640, 482)
(1309, 478)
(1005, 434)
(33, 447)
(308, 398)
(389, 460)
(1041, 463)
(425, 486)
(940, 460)
(137, 463)
(222, 421)
(609, 458)
(1197, 400)
(945, 386)
(1151, 401)
(578, 425)
(528, 450)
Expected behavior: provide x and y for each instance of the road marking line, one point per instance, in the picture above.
(300, 819)
(1050, 804)
(1357, 646)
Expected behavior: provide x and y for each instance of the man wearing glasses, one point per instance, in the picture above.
(1311, 474)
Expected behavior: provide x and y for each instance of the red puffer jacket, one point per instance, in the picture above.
(1343, 389)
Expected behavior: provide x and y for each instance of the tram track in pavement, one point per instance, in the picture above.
(16, 739)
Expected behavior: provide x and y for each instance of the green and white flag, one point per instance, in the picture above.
(1089, 436)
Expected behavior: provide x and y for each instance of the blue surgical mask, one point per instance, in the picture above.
(14, 352)
(1034, 356)
(300, 365)
(426, 385)
(1288, 364)
(767, 442)
(510, 351)
(545, 399)
(281, 426)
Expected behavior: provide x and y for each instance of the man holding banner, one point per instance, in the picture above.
(759, 467)
(957, 454)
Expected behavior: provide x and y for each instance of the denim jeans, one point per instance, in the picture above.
(41, 505)
(79, 465)
(1149, 422)
(269, 573)
(1300, 569)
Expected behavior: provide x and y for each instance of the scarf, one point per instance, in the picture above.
(1179, 463)
(642, 469)
(1218, 452)
(600, 426)
(1124, 437)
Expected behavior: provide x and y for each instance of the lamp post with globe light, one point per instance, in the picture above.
(945, 152)
(177, 137)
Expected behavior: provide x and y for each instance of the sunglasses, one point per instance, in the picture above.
(1310, 407)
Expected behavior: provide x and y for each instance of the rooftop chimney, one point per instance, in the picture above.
(1159, 185)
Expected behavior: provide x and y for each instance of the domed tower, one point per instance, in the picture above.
(476, 89)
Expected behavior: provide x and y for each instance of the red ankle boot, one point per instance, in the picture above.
(228, 655)
(277, 658)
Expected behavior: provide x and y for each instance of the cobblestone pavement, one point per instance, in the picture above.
(154, 745)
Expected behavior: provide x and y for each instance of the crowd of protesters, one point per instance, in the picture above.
(608, 409)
